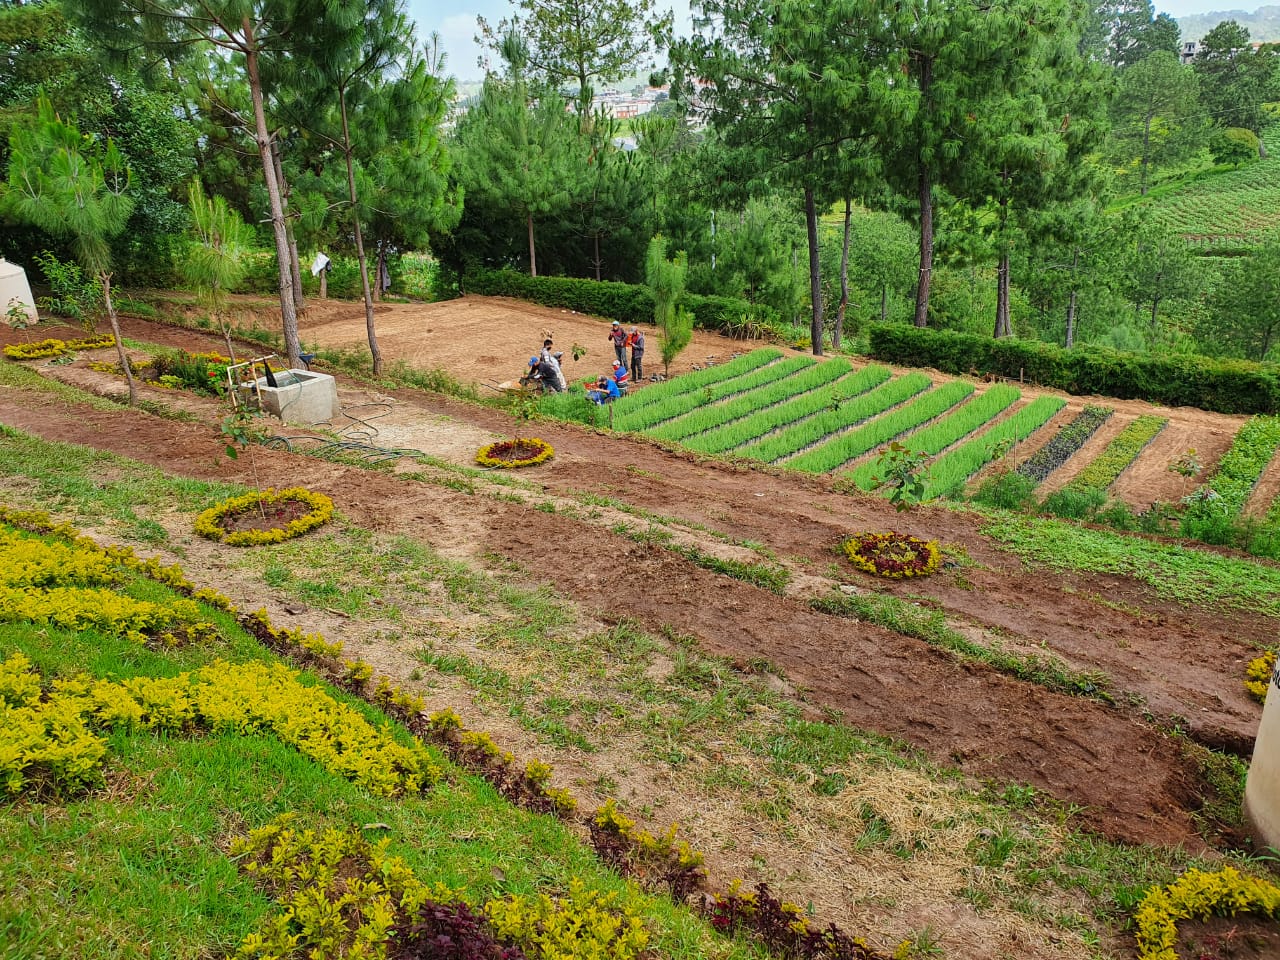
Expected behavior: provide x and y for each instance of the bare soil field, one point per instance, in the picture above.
(1116, 764)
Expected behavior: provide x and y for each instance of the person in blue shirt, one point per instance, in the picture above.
(606, 391)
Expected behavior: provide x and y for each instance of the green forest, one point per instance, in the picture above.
(1041, 169)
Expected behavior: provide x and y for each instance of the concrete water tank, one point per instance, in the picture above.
(1262, 789)
(299, 396)
(15, 291)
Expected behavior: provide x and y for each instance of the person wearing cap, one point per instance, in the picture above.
(618, 337)
(546, 374)
(620, 375)
(635, 340)
(606, 391)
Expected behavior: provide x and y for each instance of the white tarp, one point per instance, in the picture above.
(15, 292)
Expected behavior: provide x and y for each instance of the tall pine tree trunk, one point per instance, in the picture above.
(1071, 301)
(360, 256)
(123, 357)
(288, 307)
(926, 249)
(815, 271)
(533, 254)
(884, 302)
(926, 212)
(1003, 327)
(295, 264)
(837, 331)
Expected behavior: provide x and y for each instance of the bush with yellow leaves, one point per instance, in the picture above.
(75, 588)
(344, 897)
(48, 741)
(211, 523)
(1258, 675)
(1198, 895)
(528, 786)
(653, 860)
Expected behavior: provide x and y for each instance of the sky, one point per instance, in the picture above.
(455, 21)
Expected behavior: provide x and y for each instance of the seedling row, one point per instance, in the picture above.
(822, 416)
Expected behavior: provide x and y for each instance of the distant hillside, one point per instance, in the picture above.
(1227, 211)
(1263, 23)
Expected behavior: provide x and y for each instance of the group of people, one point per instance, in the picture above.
(633, 338)
(545, 367)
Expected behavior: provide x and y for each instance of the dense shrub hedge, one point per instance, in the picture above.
(625, 302)
(1226, 386)
(263, 277)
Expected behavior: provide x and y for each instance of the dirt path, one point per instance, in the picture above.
(1149, 478)
(1133, 782)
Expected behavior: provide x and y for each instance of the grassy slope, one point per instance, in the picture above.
(138, 869)
(701, 726)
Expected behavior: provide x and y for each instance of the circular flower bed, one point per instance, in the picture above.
(268, 516)
(893, 555)
(521, 452)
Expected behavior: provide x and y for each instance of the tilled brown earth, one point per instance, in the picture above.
(1180, 663)
(1133, 781)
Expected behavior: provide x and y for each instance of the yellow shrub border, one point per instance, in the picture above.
(55, 348)
(1197, 895)
(910, 556)
(354, 676)
(209, 523)
(1258, 675)
(339, 895)
(484, 456)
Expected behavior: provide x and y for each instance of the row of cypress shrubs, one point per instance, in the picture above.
(624, 302)
(1225, 386)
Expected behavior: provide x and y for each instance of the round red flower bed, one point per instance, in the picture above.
(893, 555)
(519, 452)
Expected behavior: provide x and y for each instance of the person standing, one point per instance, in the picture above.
(553, 359)
(618, 337)
(636, 339)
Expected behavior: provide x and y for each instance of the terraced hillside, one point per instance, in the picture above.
(835, 417)
(1226, 211)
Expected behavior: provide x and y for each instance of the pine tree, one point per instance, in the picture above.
(61, 183)
(244, 31)
(581, 42)
(216, 262)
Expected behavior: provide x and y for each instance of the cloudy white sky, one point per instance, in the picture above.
(455, 21)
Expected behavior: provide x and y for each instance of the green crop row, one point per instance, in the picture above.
(694, 380)
(1070, 438)
(706, 418)
(840, 450)
(1242, 465)
(952, 469)
(1176, 380)
(936, 437)
(829, 397)
(681, 404)
(800, 435)
(1120, 452)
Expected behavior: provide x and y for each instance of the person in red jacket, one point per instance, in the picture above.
(618, 337)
